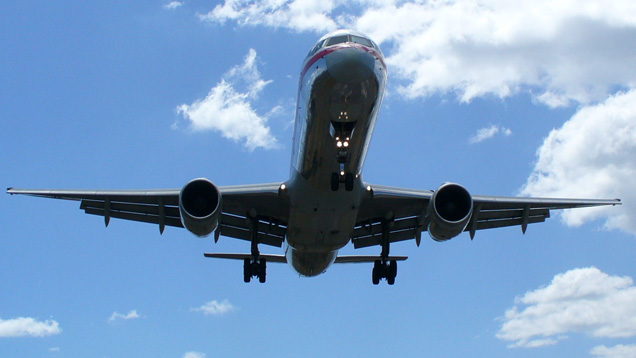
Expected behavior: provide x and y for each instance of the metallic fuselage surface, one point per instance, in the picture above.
(340, 92)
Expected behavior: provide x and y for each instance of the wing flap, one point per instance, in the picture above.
(169, 211)
(140, 217)
(493, 224)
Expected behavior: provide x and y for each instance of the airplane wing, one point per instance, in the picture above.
(406, 209)
(161, 207)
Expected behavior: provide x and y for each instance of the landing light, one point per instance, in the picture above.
(342, 173)
(368, 187)
(283, 187)
(339, 144)
(346, 144)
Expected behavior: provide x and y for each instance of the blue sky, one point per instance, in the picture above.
(533, 99)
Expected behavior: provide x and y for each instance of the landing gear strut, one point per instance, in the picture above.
(384, 268)
(254, 267)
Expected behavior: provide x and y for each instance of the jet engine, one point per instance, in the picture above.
(200, 206)
(449, 211)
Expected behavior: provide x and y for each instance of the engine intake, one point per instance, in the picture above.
(200, 206)
(449, 210)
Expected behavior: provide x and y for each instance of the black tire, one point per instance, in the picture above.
(349, 181)
(392, 272)
(335, 181)
(393, 269)
(390, 280)
(262, 271)
(376, 273)
(247, 271)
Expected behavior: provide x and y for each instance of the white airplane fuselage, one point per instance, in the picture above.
(339, 96)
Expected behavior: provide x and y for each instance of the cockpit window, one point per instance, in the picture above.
(337, 40)
(316, 48)
(361, 41)
(343, 39)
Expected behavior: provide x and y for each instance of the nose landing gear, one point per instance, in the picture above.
(342, 177)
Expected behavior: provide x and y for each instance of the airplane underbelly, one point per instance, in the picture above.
(323, 225)
(321, 219)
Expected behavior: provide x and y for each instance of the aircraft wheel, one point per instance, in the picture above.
(393, 268)
(390, 280)
(377, 272)
(262, 270)
(247, 270)
(349, 181)
(390, 277)
(335, 181)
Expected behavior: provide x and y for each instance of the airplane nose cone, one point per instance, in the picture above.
(350, 65)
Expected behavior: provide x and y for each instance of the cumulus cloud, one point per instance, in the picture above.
(173, 5)
(619, 351)
(583, 300)
(28, 327)
(489, 132)
(215, 308)
(571, 51)
(592, 155)
(299, 15)
(229, 111)
(194, 355)
(119, 316)
(567, 53)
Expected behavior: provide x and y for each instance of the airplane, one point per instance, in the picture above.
(325, 204)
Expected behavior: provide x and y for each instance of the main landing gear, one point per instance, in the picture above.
(385, 268)
(254, 267)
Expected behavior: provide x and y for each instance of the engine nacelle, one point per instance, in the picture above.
(449, 211)
(200, 206)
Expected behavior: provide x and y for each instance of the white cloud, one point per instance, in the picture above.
(570, 51)
(119, 316)
(54, 349)
(194, 355)
(299, 15)
(230, 111)
(562, 53)
(592, 155)
(619, 351)
(173, 5)
(489, 132)
(215, 308)
(27, 326)
(583, 300)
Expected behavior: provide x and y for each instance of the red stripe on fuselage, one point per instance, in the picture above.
(324, 52)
